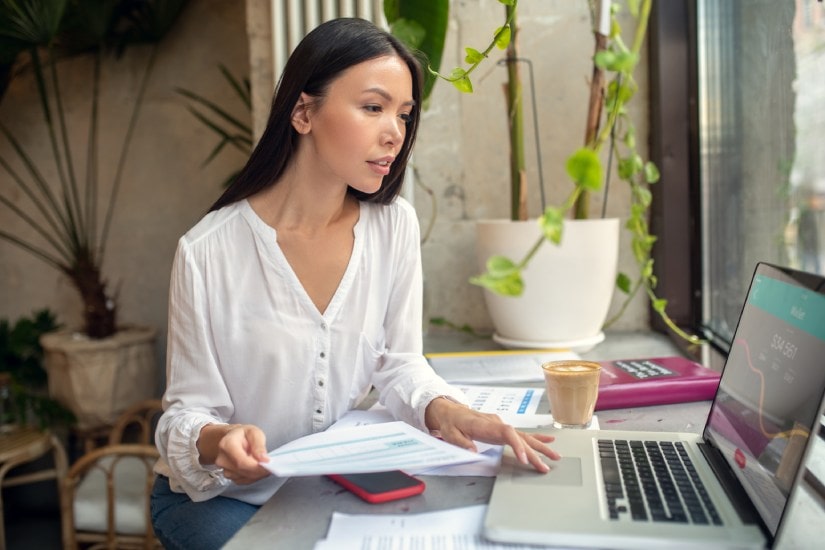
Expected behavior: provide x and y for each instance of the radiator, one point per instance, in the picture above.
(292, 19)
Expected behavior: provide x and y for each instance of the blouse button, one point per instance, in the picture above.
(324, 326)
(321, 383)
(323, 355)
(318, 411)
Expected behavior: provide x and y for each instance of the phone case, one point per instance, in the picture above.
(381, 486)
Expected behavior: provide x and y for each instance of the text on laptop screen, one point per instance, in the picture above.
(779, 343)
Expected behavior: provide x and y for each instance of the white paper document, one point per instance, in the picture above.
(499, 366)
(489, 456)
(366, 448)
(455, 529)
(503, 401)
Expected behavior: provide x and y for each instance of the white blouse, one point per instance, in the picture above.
(246, 344)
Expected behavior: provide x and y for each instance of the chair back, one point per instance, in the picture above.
(106, 492)
(137, 423)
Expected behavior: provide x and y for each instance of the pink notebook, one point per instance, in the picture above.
(654, 381)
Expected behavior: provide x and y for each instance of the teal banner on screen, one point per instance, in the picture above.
(806, 310)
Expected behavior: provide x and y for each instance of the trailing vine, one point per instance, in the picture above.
(584, 166)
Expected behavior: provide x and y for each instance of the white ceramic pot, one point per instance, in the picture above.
(99, 379)
(568, 288)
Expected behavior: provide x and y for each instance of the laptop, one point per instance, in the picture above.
(728, 487)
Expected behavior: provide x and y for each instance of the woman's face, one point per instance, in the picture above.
(358, 128)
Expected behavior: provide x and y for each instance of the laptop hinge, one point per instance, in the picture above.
(740, 500)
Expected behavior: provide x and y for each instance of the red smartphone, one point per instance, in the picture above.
(376, 487)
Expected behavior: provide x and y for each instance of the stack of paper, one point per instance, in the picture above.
(366, 448)
(498, 366)
(456, 529)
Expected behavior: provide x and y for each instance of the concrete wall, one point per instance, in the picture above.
(460, 156)
(165, 189)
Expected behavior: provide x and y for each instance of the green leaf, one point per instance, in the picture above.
(457, 74)
(630, 138)
(552, 224)
(461, 81)
(651, 172)
(625, 62)
(509, 285)
(647, 269)
(630, 166)
(473, 56)
(500, 266)
(616, 92)
(623, 283)
(643, 195)
(431, 15)
(410, 32)
(604, 59)
(503, 277)
(502, 35)
(33, 22)
(585, 169)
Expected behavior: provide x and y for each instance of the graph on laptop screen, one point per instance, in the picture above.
(779, 343)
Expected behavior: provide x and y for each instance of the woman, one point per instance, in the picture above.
(301, 289)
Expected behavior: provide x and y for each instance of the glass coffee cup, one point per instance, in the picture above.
(572, 389)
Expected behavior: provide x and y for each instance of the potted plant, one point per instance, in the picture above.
(23, 383)
(105, 366)
(506, 281)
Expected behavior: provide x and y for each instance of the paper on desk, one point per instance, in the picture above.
(503, 401)
(499, 366)
(458, 528)
(515, 405)
(367, 448)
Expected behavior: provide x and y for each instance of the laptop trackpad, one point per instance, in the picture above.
(567, 471)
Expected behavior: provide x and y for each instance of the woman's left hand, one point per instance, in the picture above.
(460, 425)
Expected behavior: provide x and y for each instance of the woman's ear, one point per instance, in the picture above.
(300, 114)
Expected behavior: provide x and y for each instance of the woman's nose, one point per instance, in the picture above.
(394, 131)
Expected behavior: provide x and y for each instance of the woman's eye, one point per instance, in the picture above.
(406, 117)
(373, 108)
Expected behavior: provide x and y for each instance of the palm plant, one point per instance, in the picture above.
(228, 128)
(65, 212)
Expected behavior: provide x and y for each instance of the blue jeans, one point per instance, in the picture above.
(181, 524)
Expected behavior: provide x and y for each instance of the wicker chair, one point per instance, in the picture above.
(106, 492)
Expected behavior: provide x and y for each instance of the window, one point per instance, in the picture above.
(749, 125)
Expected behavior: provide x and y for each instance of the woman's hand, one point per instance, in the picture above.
(237, 448)
(460, 425)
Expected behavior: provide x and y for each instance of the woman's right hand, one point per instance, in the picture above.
(236, 448)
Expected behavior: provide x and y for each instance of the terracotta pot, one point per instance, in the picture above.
(99, 379)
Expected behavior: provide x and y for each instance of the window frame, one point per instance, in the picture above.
(674, 144)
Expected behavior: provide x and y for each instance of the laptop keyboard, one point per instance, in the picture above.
(654, 481)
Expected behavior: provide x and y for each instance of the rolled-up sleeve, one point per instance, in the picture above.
(196, 394)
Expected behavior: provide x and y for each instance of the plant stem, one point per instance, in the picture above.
(37, 227)
(594, 113)
(32, 249)
(71, 195)
(515, 121)
(125, 148)
(98, 309)
(91, 154)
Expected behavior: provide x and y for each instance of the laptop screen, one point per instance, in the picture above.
(772, 386)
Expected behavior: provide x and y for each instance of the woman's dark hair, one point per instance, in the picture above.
(319, 58)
